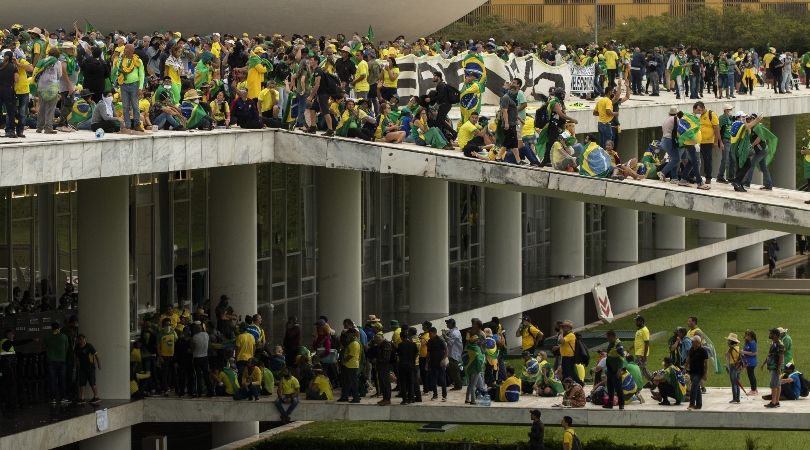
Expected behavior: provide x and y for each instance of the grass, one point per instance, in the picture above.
(405, 432)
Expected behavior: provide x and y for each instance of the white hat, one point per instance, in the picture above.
(739, 113)
(727, 107)
(563, 48)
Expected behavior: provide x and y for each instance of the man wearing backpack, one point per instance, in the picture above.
(568, 345)
(530, 336)
(443, 97)
(570, 439)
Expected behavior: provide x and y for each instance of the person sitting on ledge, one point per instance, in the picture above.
(288, 389)
(251, 382)
(791, 382)
(574, 396)
(508, 390)
(227, 383)
(319, 388)
(104, 115)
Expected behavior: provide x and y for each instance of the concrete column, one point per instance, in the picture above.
(429, 249)
(749, 258)
(669, 239)
(628, 144)
(502, 242)
(233, 236)
(511, 325)
(783, 171)
(712, 272)
(103, 221)
(568, 254)
(223, 433)
(339, 245)
(118, 439)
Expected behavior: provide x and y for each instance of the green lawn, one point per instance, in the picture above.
(722, 313)
(398, 432)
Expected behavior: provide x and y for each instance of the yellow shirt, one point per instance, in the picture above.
(268, 98)
(290, 386)
(734, 354)
(246, 345)
(143, 105)
(255, 76)
(22, 86)
(216, 49)
(252, 376)
(173, 317)
(527, 341)
(226, 382)
(568, 345)
(396, 336)
(387, 80)
(323, 385)
(466, 133)
(707, 127)
(166, 344)
(362, 69)
(172, 72)
(642, 334)
(603, 107)
(528, 127)
(610, 59)
(767, 59)
(511, 381)
(219, 111)
(568, 437)
(692, 333)
(352, 358)
(423, 338)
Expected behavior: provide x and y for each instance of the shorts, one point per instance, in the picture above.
(87, 377)
(510, 140)
(387, 93)
(775, 382)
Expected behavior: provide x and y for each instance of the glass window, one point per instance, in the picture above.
(181, 251)
(263, 210)
(199, 220)
(144, 248)
(163, 228)
(5, 284)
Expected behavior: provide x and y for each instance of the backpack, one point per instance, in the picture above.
(453, 94)
(332, 86)
(805, 389)
(581, 354)
(541, 117)
(576, 444)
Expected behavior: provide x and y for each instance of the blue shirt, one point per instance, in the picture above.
(796, 385)
(750, 361)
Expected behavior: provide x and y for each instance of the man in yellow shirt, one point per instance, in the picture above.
(568, 345)
(245, 349)
(22, 90)
(605, 114)
(709, 136)
(288, 389)
(351, 367)
(396, 333)
(268, 100)
(319, 388)
(569, 435)
(360, 81)
(641, 347)
(251, 381)
(166, 340)
(508, 390)
(424, 337)
(611, 60)
(529, 334)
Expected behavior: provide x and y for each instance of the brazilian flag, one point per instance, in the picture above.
(290, 113)
(740, 141)
(770, 139)
(193, 113)
(688, 129)
(80, 112)
(542, 137)
(473, 64)
(595, 162)
(471, 92)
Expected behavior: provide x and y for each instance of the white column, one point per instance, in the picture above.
(233, 225)
(510, 324)
(669, 239)
(783, 171)
(622, 237)
(502, 242)
(103, 221)
(751, 257)
(339, 245)
(428, 249)
(568, 254)
(223, 433)
(712, 272)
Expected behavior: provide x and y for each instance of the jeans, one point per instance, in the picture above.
(165, 118)
(694, 163)
(438, 377)
(731, 83)
(694, 83)
(706, 157)
(202, 375)
(728, 158)
(475, 381)
(636, 75)
(129, 98)
(57, 377)
(525, 152)
(734, 378)
(22, 112)
(248, 392)
(671, 168)
(759, 161)
(300, 121)
(605, 133)
(280, 406)
(695, 396)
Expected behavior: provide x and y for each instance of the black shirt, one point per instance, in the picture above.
(7, 76)
(406, 352)
(436, 349)
(536, 436)
(86, 357)
(697, 357)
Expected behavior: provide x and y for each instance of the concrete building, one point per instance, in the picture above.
(289, 224)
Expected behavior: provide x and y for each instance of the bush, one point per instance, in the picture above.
(298, 442)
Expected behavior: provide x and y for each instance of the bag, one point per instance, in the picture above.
(576, 444)
(50, 92)
(805, 389)
(581, 354)
(541, 116)
(453, 94)
(332, 87)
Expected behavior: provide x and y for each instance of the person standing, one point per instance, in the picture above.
(8, 369)
(772, 248)
(47, 72)
(568, 343)
(441, 98)
(70, 76)
(733, 366)
(709, 137)
(437, 364)
(56, 349)
(806, 68)
(569, 435)
(604, 112)
(690, 140)
(380, 352)
(130, 74)
(637, 63)
(613, 366)
(351, 367)
(454, 348)
(669, 131)
(88, 362)
(749, 358)
(407, 353)
(474, 370)
(538, 431)
(166, 342)
(775, 362)
(641, 347)
(729, 159)
(697, 364)
(8, 78)
(199, 349)
(509, 119)
(530, 336)
(787, 341)
(654, 64)
(292, 340)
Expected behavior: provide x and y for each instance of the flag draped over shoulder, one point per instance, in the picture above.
(740, 142)
(470, 93)
(542, 137)
(595, 161)
(473, 64)
(770, 139)
(688, 128)
(290, 113)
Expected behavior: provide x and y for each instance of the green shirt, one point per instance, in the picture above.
(56, 347)
(722, 66)
(787, 341)
(725, 127)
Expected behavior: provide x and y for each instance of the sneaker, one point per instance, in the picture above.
(11, 135)
(49, 131)
(444, 399)
(21, 135)
(765, 188)
(435, 397)
(704, 187)
(357, 400)
(770, 405)
(683, 183)
(95, 401)
(384, 402)
(329, 133)
(722, 180)
(661, 177)
(738, 187)
(734, 401)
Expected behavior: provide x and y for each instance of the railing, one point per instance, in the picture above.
(580, 13)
